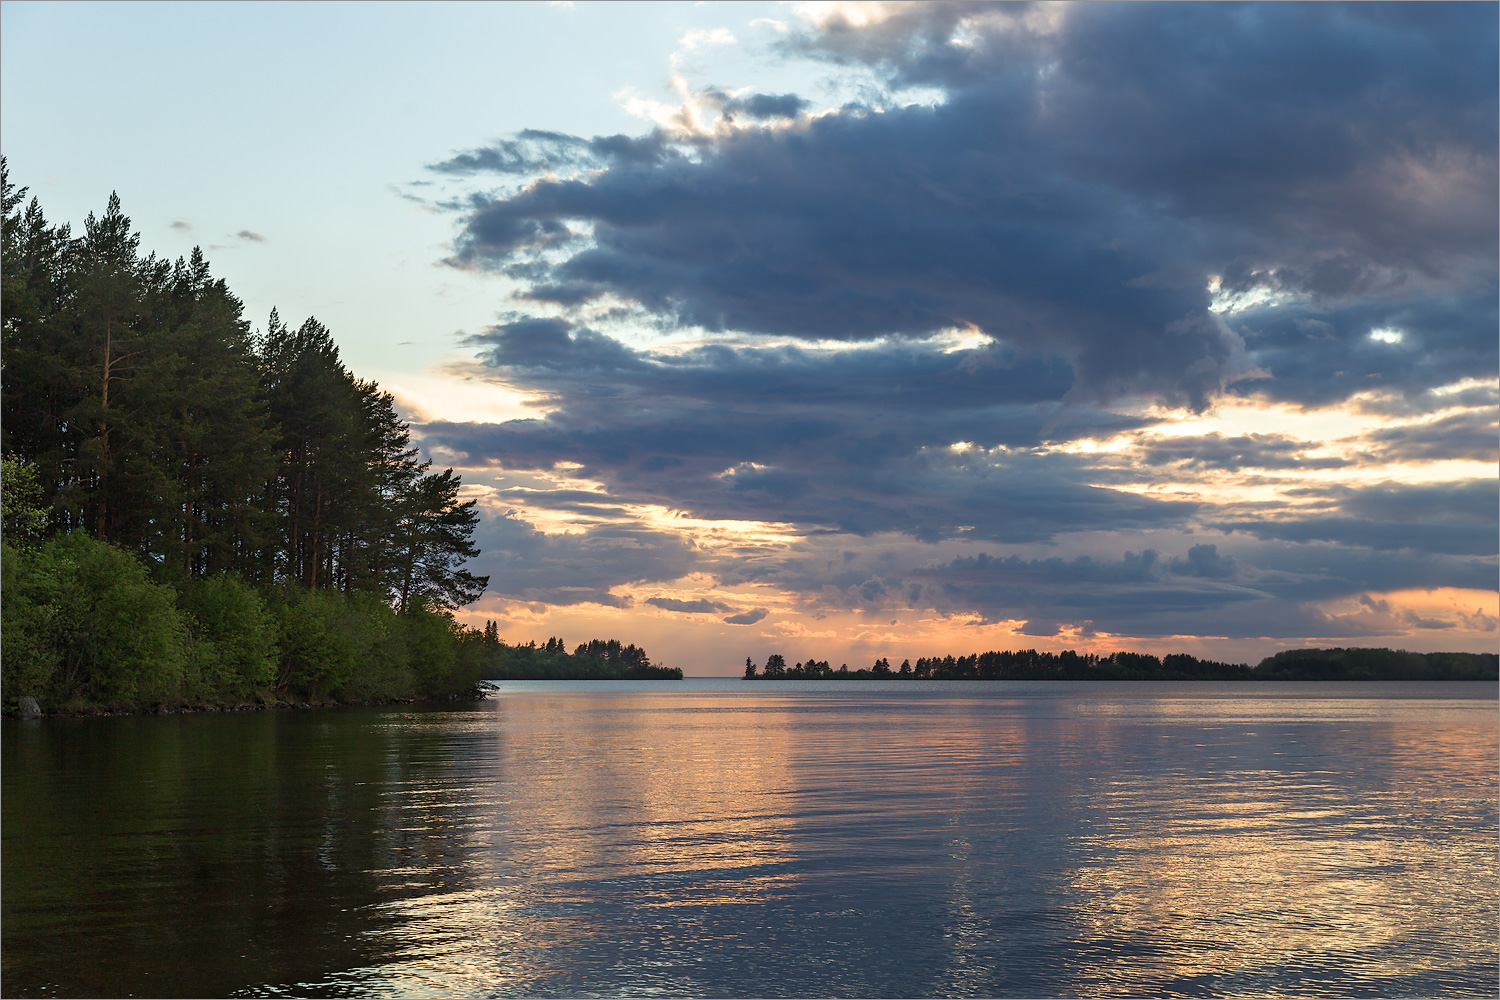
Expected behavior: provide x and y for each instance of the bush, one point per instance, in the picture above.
(83, 626)
(29, 654)
(431, 648)
(83, 620)
(317, 651)
(232, 644)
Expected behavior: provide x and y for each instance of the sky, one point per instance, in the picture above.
(855, 330)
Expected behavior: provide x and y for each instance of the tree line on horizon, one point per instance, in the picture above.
(196, 512)
(1354, 664)
(597, 659)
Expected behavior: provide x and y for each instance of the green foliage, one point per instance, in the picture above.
(125, 641)
(87, 623)
(436, 531)
(431, 645)
(150, 417)
(354, 647)
(599, 659)
(232, 651)
(21, 510)
(1379, 665)
(321, 636)
(29, 653)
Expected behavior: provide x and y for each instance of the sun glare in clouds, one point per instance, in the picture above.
(1464, 615)
(450, 392)
(1341, 438)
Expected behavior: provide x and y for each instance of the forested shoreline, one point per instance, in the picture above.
(596, 660)
(1356, 664)
(200, 516)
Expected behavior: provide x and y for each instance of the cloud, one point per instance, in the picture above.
(249, 237)
(765, 107)
(1341, 156)
(1252, 451)
(1473, 435)
(699, 607)
(181, 226)
(856, 440)
(1449, 518)
(943, 344)
(706, 38)
(568, 569)
(1204, 561)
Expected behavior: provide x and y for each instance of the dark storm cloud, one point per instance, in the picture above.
(1253, 588)
(853, 440)
(1250, 451)
(809, 470)
(1072, 194)
(781, 235)
(1347, 139)
(1322, 571)
(533, 150)
(747, 617)
(1468, 397)
(1141, 593)
(1322, 354)
(1473, 435)
(764, 107)
(565, 569)
(530, 342)
(1453, 518)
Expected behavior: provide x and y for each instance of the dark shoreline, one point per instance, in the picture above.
(1331, 664)
(1133, 680)
(105, 712)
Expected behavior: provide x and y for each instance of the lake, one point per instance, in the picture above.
(724, 838)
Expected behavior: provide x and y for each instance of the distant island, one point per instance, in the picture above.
(596, 660)
(1355, 664)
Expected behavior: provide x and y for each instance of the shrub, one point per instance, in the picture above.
(317, 652)
(232, 649)
(29, 654)
(82, 620)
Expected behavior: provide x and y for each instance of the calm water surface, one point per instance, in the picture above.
(720, 838)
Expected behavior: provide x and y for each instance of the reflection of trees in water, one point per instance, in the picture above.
(195, 855)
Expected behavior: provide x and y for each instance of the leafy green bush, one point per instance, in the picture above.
(29, 655)
(318, 653)
(431, 648)
(23, 515)
(124, 638)
(83, 620)
(232, 650)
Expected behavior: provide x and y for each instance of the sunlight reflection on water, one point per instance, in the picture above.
(722, 838)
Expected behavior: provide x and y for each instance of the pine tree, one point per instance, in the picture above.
(437, 535)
